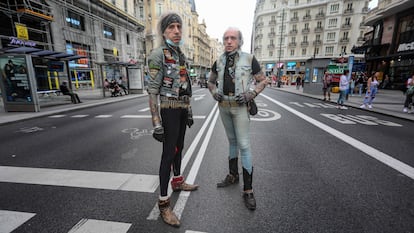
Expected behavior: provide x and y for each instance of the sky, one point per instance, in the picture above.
(221, 14)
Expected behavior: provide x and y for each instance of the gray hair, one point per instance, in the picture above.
(240, 35)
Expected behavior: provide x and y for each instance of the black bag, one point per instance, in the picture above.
(252, 107)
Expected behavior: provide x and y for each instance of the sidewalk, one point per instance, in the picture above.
(387, 102)
(89, 98)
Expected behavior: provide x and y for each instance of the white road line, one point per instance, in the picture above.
(10, 220)
(187, 156)
(81, 179)
(79, 116)
(103, 116)
(99, 226)
(374, 153)
(136, 116)
(57, 116)
(182, 199)
(144, 109)
(187, 231)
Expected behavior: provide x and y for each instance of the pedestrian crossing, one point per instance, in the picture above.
(128, 116)
(11, 220)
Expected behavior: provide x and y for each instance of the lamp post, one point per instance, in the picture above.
(280, 50)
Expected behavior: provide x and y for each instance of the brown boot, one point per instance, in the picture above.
(232, 177)
(167, 214)
(178, 184)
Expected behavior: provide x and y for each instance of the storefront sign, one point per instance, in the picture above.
(16, 41)
(406, 47)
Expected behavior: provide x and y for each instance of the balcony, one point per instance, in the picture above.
(272, 22)
(304, 43)
(261, 24)
(271, 46)
(361, 39)
(271, 34)
(305, 30)
(307, 18)
(293, 32)
(344, 40)
(320, 15)
(347, 26)
(294, 19)
(292, 44)
(317, 42)
(319, 29)
(348, 11)
(365, 10)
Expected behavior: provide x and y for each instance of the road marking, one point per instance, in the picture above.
(80, 179)
(144, 109)
(99, 226)
(374, 153)
(103, 116)
(194, 231)
(57, 116)
(10, 220)
(183, 197)
(155, 212)
(79, 116)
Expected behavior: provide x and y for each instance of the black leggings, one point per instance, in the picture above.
(174, 123)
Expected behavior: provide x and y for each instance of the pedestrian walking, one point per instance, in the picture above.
(343, 87)
(169, 84)
(326, 80)
(409, 94)
(234, 70)
(372, 89)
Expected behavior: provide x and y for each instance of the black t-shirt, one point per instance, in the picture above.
(229, 86)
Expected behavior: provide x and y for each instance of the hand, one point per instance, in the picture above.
(218, 97)
(245, 97)
(190, 120)
(158, 133)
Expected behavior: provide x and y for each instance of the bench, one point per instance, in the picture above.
(48, 93)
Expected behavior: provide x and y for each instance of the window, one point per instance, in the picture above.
(349, 7)
(75, 20)
(306, 25)
(345, 35)
(330, 36)
(304, 52)
(329, 50)
(343, 49)
(316, 51)
(294, 27)
(293, 39)
(335, 8)
(126, 5)
(292, 52)
(127, 39)
(305, 39)
(332, 23)
(348, 21)
(270, 53)
(109, 32)
(318, 37)
(319, 24)
(296, 2)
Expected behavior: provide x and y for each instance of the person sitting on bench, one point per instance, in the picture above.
(66, 91)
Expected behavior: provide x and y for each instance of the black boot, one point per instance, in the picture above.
(233, 176)
(248, 195)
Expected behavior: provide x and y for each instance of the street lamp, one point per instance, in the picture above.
(280, 50)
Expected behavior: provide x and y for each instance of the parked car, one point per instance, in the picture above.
(202, 82)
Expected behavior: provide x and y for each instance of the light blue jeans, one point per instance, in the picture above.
(236, 122)
(341, 97)
(369, 97)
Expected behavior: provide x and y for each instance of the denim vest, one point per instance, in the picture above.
(243, 72)
(167, 80)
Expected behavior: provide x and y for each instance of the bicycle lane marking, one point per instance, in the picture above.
(374, 153)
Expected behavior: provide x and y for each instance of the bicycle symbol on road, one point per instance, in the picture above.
(264, 114)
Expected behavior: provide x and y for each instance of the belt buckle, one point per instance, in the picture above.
(231, 94)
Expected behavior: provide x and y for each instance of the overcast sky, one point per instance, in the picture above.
(221, 14)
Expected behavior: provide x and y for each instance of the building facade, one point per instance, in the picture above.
(389, 46)
(287, 34)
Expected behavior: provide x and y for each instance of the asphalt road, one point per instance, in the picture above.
(316, 169)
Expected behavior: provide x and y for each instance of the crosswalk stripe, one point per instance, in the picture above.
(10, 220)
(99, 226)
(82, 179)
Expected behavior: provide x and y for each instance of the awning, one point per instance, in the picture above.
(42, 53)
(22, 50)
